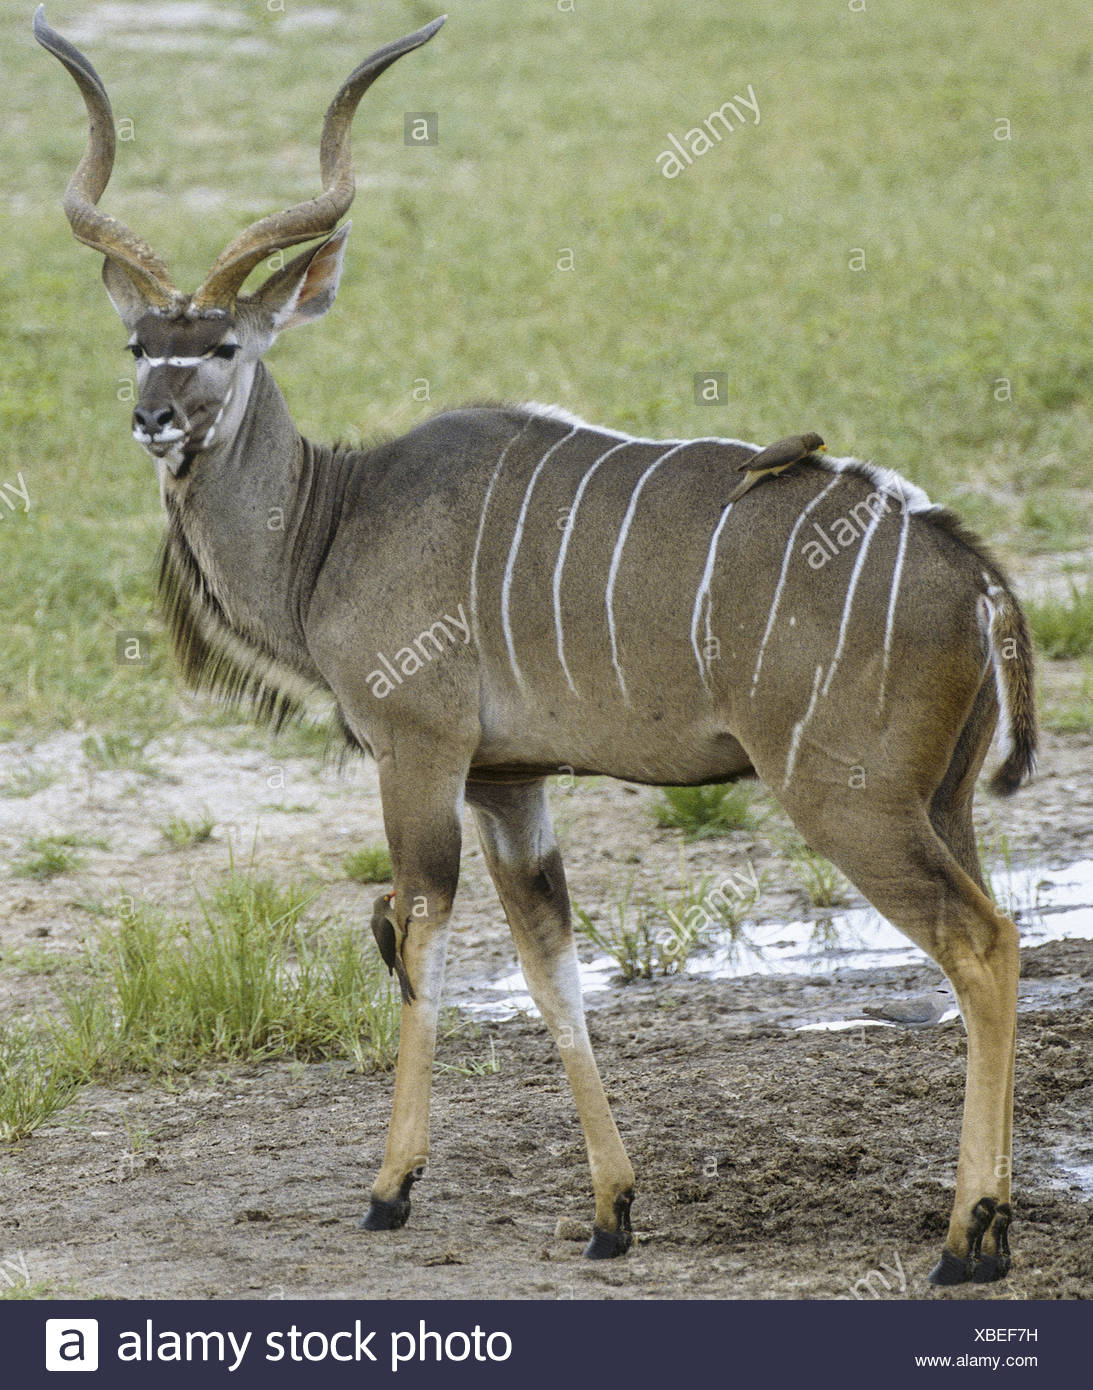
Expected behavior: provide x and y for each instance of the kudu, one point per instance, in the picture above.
(622, 618)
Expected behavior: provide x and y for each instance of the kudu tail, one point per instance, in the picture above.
(1010, 645)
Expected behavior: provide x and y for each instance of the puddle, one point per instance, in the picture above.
(1047, 905)
(1076, 1173)
(508, 996)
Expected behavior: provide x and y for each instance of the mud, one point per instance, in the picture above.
(772, 1163)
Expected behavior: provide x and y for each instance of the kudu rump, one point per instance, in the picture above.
(863, 688)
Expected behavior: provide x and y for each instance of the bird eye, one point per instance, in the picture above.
(226, 350)
(135, 349)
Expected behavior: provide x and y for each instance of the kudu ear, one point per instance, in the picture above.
(305, 288)
(124, 293)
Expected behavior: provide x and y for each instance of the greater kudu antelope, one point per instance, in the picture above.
(863, 687)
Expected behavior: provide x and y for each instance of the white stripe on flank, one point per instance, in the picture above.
(704, 593)
(566, 417)
(517, 536)
(897, 574)
(609, 595)
(800, 726)
(571, 522)
(908, 494)
(848, 605)
(782, 580)
(481, 529)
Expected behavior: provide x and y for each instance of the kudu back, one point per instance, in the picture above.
(507, 591)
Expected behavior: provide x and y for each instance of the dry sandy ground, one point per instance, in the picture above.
(771, 1163)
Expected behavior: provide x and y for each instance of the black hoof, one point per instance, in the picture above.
(975, 1267)
(991, 1267)
(608, 1245)
(950, 1269)
(390, 1216)
(385, 1216)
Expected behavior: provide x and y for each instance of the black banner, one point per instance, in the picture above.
(532, 1345)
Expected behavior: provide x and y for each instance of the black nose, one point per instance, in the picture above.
(151, 419)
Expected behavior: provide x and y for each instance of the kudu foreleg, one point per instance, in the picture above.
(422, 819)
(522, 855)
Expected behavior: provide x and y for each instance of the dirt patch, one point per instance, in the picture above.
(771, 1163)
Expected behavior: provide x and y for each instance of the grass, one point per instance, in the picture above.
(250, 981)
(1074, 713)
(740, 264)
(647, 940)
(43, 1288)
(183, 833)
(34, 960)
(821, 880)
(55, 854)
(1063, 627)
(369, 865)
(1000, 876)
(33, 1087)
(118, 752)
(703, 811)
(630, 938)
(26, 781)
(475, 1066)
(253, 979)
(1049, 523)
(703, 906)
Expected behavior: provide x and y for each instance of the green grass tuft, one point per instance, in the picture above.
(55, 854)
(33, 1087)
(369, 865)
(702, 811)
(821, 880)
(118, 752)
(26, 781)
(183, 833)
(253, 979)
(1074, 712)
(1063, 627)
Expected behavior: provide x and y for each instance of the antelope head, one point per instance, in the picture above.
(197, 354)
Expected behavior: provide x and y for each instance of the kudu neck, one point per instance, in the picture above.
(254, 520)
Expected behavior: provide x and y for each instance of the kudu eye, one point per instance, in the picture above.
(135, 349)
(226, 350)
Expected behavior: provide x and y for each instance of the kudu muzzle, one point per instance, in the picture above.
(155, 426)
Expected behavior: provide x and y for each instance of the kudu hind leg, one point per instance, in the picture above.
(421, 811)
(898, 861)
(522, 855)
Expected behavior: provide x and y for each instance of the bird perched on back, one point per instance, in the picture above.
(385, 929)
(775, 459)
